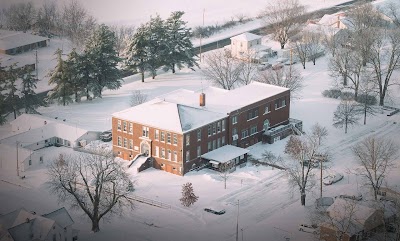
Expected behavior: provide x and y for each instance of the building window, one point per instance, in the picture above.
(218, 126)
(253, 130)
(124, 125)
(218, 142)
(188, 139)
(131, 144)
(156, 134)
(119, 142)
(266, 125)
(198, 151)
(175, 156)
(169, 138)
(162, 153)
(251, 114)
(214, 128)
(223, 125)
(175, 139)
(187, 156)
(157, 151)
(234, 119)
(209, 146)
(214, 144)
(283, 103)
(245, 133)
(209, 130)
(169, 154)
(119, 125)
(125, 143)
(223, 141)
(199, 135)
(162, 136)
(131, 128)
(266, 111)
(145, 131)
(279, 103)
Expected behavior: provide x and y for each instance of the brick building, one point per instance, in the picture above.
(175, 130)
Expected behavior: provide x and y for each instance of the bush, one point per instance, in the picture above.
(332, 93)
(347, 95)
(368, 99)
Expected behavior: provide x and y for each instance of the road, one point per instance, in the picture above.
(266, 30)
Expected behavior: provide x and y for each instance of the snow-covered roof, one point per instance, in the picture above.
(246, 37)
(27, 122)
(179, 111)
(8, 152)
(13, 39)
(61, 217)
(341, 208)
(331, 19)
(225, 153)
(20, 61)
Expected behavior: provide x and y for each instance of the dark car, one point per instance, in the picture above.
(106, 136)
(214, 212)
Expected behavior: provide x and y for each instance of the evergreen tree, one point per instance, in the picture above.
(86, 70)
(29, 98)
(136, 52)
(188, 197)
(104, 56)
(180, 48)
(156, 45)
(72, 73)
(63, 90)
(3, 111)
(11, 96)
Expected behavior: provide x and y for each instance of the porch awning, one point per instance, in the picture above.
(214, 162)
(224, 154)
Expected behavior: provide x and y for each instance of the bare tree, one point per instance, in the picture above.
(137, 98)
(367, 99)
(392, 10)
(377, 158)
(122, 34)
(46, 19)
(249, 67)
(222, 69)
(288, 77)
(20, 17)
(347, 113)
(94, 183)
(319, 134)
(188, 197)
(301, 50)
(225, 170)
(303, 151)
(283, 16)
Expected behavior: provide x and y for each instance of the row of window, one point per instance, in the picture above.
(124, 142)
(166, 137)
(125, 126)
(214, 144)
(213, 129)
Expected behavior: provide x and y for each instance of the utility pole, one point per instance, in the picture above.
(17, 160)
(36, 64)
(321, 177)
(237, 224)
(200, 32)
(291, 57)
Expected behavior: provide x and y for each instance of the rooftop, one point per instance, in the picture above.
(225, 153)
(179, 111)
(246, 37)
(13, 39)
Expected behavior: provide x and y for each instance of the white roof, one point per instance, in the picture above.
(225, 153)
(27, 122)
(9, 153)
(13, 39)
(331, 19)
(61, 217)
(20, 61)
(246, 37)
(179, 111)
(340, 209)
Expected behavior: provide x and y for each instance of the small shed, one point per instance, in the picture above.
(226, 157)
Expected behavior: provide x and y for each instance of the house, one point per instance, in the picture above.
(350, 219)
(248, 45)
(21, 225)
(177, 129)
(14, 42)
(18, 61)
(31, 133)
(336, 20)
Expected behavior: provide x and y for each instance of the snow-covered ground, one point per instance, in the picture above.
(268, 209)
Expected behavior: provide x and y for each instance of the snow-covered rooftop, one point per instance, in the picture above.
(341, 208)
(13, 39)
(19, 61)
(225, 153)
(246, 37)
(179, 111)
(61, 217)
(331, 19)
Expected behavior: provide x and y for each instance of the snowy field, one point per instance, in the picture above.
(268, 210)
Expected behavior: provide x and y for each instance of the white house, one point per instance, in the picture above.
(21, 225)
(248, 44)
(31, 133)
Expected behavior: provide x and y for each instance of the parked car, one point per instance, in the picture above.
(214, 212)
(106, 136)
(308, 228)
(333, 178)
(313, 164)
(352, 197)
(277, 66)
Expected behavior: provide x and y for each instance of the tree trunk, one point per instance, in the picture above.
(381, 99)
(314, 60)
(95, 225)
(173, 68)
(282, 45)
(303, 198)
(365, 113)
(345, 127)
(15, 114)
(142, 72)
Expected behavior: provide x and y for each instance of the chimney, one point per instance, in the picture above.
(202, 99)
